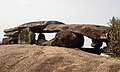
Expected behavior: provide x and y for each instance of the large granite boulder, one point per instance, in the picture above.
(26, 36)
(67, 39)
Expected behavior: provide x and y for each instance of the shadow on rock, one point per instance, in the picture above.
(92, 50)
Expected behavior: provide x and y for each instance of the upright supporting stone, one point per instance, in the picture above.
(5, 41)
(26, 36)
(80, 39)
(41, 39)
(96, 43)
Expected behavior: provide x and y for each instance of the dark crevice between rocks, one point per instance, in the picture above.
(92, 50)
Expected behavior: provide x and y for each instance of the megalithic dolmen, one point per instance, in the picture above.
(16, 34)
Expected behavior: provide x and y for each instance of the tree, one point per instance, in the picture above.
(114, 38)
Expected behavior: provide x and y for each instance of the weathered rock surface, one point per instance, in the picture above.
(38, 27)
(5, 41)
(35, 26)
(53, 28)
(12, 34)
(96, 32)
(26, 36)
(91, 31)
(68, 39)
(11, 30)
(31, 58)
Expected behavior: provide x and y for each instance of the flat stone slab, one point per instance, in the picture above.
(13, 33)
(11, 30)
(91, 31)
(35, 26)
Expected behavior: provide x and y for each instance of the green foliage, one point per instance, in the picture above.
(114, 38)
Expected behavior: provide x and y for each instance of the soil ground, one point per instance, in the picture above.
(32, 58)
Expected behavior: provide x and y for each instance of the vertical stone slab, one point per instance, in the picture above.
(41, 39)
(96, 43)
(5, 41)
(80, 39)
(26, 36)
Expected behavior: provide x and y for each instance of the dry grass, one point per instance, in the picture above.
(32, 58)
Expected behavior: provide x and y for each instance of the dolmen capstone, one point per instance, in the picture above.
(25, 33)
(68, 35)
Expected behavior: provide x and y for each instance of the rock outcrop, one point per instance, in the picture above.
(31, 58)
